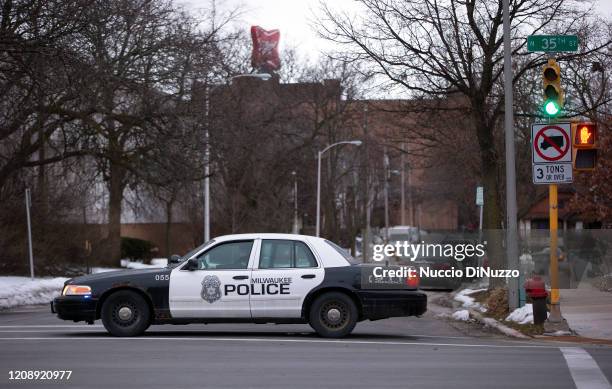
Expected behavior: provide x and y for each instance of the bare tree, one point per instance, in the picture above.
(434, 49)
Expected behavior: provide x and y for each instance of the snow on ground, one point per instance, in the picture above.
(16, 291)
(463, 315)
(463, 296)
(522, 315)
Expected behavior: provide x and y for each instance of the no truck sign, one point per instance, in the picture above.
(552, 153)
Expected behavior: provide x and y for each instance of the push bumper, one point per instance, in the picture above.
(75, 308)
(381, 304)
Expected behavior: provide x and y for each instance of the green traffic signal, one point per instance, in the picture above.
(551, 108)
(554, 97)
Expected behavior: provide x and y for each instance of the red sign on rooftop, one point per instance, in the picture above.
(264, 57)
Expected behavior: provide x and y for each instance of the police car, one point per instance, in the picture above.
(255, 278)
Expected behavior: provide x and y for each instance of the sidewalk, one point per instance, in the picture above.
(588, 311)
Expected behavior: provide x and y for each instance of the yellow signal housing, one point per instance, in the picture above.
(554, 96)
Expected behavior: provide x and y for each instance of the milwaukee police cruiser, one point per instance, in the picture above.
(260, 278)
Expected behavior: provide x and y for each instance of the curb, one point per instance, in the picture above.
(489, 322)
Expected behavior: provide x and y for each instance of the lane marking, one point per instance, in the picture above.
(153, 329)
(276, 340)
(585, 371)
(46, 331)
(53, 326)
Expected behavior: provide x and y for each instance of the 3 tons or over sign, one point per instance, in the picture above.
(552, 153)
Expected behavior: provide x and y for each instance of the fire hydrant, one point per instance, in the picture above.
(536, 290)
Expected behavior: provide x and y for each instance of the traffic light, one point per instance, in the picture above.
(584, 135)
(554, 97)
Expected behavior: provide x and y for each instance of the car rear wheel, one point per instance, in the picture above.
(125, 313)
(333, 315)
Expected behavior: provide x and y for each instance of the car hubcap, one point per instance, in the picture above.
(334, 315)
(125, 313)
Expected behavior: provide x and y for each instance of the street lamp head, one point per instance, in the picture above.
(356, 142)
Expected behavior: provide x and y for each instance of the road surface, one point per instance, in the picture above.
(425, 352)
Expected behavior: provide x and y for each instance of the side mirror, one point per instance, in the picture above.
(175, 258)
(192, 264)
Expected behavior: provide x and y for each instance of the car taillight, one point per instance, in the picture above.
(413, 280)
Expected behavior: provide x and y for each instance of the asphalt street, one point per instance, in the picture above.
(426, 352)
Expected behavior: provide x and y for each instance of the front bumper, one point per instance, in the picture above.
(381, 304)
(76, 308)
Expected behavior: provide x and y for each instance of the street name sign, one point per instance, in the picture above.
(551, 153)
(552, 43)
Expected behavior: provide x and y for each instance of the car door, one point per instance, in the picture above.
(284, 273)
(218, 288)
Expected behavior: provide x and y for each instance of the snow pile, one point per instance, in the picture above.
(522, 315)
(463, 315)
(163, 262)
(16, 291)
(95, 270)
(466, 301)
(139, 265)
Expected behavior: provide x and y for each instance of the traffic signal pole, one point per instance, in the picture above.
(554, 97)
(555, 309)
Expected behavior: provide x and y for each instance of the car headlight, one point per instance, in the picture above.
(76, 290)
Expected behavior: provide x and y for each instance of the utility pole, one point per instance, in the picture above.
(295, 203)
(511, 207)
(207, 167)
(403, 185)
(386, 191)
(28, 203)
(365, 242)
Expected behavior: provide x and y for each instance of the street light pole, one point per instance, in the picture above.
(319, 155)
(511, 208)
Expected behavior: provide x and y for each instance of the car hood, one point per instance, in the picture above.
(116, 275)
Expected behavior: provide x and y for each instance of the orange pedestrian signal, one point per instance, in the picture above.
(584, 135)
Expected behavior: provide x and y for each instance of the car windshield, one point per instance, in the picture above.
(191, 253)
(345, 254)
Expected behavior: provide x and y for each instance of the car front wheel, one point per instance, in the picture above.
(333, 315)
(125, 313)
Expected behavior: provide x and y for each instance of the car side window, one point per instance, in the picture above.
(230, 255)
(278, 253)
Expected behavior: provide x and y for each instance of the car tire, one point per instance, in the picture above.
(333, 315)
(125, 313)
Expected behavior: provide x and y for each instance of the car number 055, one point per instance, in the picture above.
(162, 277)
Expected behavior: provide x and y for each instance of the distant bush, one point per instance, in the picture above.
(136, 248)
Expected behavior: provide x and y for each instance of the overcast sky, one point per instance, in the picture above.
(294, 18)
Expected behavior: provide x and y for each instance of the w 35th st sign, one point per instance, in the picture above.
(552, 153)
